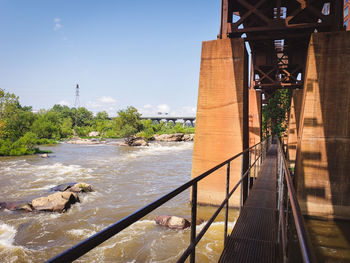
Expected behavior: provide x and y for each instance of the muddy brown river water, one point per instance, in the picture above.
(125, 179)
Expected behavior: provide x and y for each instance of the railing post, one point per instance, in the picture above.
(279, 196)
(255, 163)
(259, 156)
(193, 222)
(241, 188)
(245, 182)
(227, 198)
(250, 170)
(280, 206)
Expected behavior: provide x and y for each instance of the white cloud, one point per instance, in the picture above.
(58, 24)
(106, 99)
(163, 108)
(104, 103)
(185, 111)
(147, 106)
(64, 103)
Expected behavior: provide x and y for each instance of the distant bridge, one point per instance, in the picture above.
(170, 118)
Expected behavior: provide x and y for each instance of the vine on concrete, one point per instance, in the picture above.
(275, 113)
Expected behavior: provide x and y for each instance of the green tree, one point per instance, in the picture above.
(25, 145)
(274, 114)
(15, 120)
(47, 125)
(66, 127)
(84, 116)
(128, 122)
(64, 111)
(102, 115)
(17, 123)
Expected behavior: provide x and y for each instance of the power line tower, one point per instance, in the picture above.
(76, 103)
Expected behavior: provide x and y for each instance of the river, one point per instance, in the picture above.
(124, 180)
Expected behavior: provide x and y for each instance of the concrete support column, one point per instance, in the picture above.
(323, 153)
(293, 126)
(254, 117)
(222, 117)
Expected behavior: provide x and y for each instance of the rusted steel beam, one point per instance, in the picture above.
(277, 85)
(263, 22)
(276, 27)
(338, 18)
(224, 19)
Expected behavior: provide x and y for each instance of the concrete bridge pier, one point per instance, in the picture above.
(293, 126)
(323, 152)
(222, 116)
(254, 117)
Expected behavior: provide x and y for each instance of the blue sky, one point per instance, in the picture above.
(136, 52)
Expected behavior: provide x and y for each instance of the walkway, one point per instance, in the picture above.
(254, 237)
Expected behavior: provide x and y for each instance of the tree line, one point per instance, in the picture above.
(21, 129)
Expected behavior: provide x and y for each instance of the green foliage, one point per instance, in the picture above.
(66, 127)
(128, 122)
(64, 111)
(17, 123)
(84, 116)
(5, 147)
(103, 115)
(274, 114)
(47, 125)
(82, 131)
(21, 129)
(22, 146)
(15, 120)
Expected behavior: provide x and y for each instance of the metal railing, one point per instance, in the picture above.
(248, 175)
(290, 217)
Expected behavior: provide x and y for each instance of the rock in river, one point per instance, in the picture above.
(17, 205)
(67, 194)
(80, 188)
(57, 202)
(135, 141)
(73, 187)
(62, 187)
(175, 137)
(173, 222)
(188, 137)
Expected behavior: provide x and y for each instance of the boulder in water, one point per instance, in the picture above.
(135, 141)
(175, 137)
(57, 202)
(17, 205)
(62, 187)
(80, 188)
(188, 137)
(73, 187)
(173, 222)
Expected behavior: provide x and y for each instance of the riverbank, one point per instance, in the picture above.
(135, 140)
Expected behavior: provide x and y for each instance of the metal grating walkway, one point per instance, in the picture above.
(254, 237)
